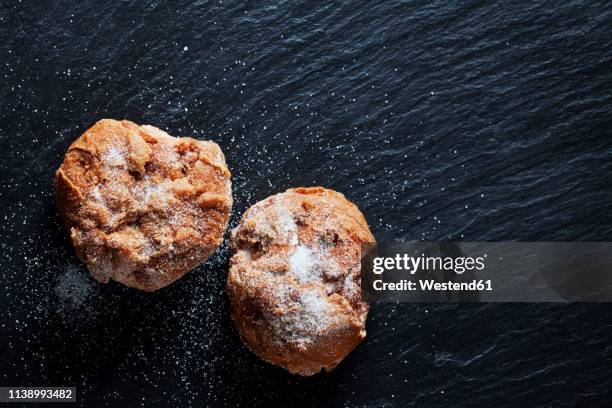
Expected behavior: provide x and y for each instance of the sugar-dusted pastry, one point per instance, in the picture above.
(294, 279)
(142, 207)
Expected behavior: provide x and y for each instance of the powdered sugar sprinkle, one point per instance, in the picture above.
(301, 263)
(114, 157)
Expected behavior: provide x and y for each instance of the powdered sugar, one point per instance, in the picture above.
(315, 307)
(301, 263)
(114, 157)
(288, 227)
(74, 286)
(95, 193)
(151, 191)
(350, 287)
(309, 264)
(311, 316)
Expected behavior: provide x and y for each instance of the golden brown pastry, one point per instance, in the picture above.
(142, 207)
(294, 279)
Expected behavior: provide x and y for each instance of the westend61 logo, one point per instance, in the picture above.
(487, 272)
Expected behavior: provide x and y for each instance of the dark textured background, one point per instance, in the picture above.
(464, 120)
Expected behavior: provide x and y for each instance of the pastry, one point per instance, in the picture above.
(294, 280)
(142, 207)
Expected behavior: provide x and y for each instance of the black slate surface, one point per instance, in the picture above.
(442, 120)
